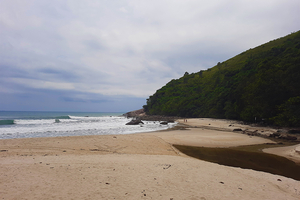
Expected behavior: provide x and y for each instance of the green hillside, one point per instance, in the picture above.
(262, 83)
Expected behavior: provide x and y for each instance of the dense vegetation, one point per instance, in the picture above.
(259, 84)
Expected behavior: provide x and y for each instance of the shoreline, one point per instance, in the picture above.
(135, 166)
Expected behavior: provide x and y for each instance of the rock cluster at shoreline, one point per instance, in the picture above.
(141, 115)
(135, 113)
(276, 135)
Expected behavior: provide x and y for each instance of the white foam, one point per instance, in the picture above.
(76, 126)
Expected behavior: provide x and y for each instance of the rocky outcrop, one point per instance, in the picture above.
(288, 137)
(283, 136)
(135, 113)
(275, 135)
(252, 133)
(143, 116)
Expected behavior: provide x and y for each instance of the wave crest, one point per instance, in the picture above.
(63, 117)
(7, 122)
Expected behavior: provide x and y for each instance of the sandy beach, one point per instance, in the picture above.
(139, 166)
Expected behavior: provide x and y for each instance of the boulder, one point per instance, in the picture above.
(288, 137)
(250, 133)
(237, 129)
(164, 123)
(135, 122)
(275, 135)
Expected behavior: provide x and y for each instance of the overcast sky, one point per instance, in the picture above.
(111, 55)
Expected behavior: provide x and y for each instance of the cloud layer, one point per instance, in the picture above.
(102, 55)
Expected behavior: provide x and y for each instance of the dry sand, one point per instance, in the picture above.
(135, 166)
(290, 152)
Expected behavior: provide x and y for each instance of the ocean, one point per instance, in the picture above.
(23, 124)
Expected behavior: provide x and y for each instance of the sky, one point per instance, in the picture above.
(110, 56)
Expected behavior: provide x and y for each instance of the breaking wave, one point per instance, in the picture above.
(63, 117)
(7, 122)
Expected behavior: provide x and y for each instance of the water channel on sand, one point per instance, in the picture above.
(246, 157)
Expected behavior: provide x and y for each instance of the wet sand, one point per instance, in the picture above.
(135, 166)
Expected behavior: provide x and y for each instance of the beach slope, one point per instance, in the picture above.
(135, 166)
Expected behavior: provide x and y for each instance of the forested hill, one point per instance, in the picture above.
(262, 83)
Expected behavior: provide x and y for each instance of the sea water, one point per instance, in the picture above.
(53, 124)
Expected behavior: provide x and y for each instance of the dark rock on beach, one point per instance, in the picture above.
(237, 129)
(164, 123)
(135, 122)
(288, 137)
(275, 135)
(283, 136)
(252, 133)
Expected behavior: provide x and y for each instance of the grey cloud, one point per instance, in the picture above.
(94, 45)
(82, 100)
(70, 99)
(58, 74)
(87, 53)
